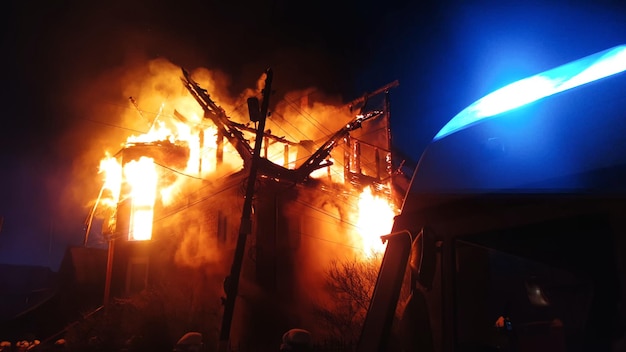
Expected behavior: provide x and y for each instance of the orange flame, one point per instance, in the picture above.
(139, 180)
(142, 177)
(142, 180)
(112, 180)
(375, 219)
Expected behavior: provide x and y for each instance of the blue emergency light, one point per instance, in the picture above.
(576, 73)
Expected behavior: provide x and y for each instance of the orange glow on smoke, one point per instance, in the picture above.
(375, 219)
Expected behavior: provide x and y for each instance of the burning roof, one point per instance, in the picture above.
(184, 144)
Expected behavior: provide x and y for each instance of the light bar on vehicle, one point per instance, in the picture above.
(531, 89)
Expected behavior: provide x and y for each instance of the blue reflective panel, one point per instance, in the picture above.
(528, 90)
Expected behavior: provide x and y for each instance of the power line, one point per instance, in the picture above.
(331, 241)
(204, 151)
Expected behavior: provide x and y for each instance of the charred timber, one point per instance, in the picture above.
(162, 152)
(232, 131)
(217, 114)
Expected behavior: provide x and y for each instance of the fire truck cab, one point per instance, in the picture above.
(513, 234)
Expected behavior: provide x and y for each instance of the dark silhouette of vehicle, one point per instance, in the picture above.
(513, 234)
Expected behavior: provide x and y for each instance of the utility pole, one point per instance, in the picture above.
(231, 285)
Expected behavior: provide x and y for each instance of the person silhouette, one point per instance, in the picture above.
(296, 340)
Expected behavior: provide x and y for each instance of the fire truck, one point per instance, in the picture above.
(513, 234)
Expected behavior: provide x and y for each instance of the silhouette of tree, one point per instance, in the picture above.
(349, 286)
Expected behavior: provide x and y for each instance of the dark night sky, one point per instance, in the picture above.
(445, 54)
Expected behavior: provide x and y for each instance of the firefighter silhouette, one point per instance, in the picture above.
(296, 340)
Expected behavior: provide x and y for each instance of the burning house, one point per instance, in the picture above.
(175, 201)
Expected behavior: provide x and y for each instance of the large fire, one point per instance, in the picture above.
(137, 179)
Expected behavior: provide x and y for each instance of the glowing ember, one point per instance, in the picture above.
(375, 219)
